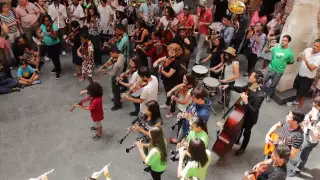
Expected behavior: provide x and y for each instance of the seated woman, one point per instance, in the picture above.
(23, 51)
(200, 159)
(27, 75)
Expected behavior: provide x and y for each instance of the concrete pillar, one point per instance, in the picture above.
(303, 25)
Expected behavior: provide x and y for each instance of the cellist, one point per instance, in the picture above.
(252, 97)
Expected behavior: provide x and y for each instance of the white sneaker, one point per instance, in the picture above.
(164, 106)
(293, 103)
(63, 53)
(46, 58)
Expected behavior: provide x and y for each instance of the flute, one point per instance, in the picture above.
(43, 175)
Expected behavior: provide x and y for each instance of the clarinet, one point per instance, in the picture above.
(130, 131)
(143, 139)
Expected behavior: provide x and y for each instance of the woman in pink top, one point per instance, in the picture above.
(258, 16)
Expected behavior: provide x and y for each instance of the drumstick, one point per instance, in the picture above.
(183, 67)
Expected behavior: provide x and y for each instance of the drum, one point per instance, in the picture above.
(200, 72)
(210, 84)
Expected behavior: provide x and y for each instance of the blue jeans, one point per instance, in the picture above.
(275, 78)
(7, 85)
(306, 149)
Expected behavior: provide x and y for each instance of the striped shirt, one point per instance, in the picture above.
(8, 20)
(294, 138)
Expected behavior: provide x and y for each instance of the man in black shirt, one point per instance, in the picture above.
(279, 158)
(291, 132)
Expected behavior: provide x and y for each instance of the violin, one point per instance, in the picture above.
(73, 34)
(126, 74)
(146, 44)
(168, 61)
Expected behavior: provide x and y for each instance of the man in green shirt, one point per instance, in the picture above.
(281, 56)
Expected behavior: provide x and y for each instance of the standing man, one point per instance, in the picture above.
(204, 20)
(123, 44)
(252, 103)
(310, 62)
(147, 12)
(149, 92)
(281, 56)
(186, 19)
(76, 13)
(228, 31)
(311, 139)
(116, 71)
(28, 14)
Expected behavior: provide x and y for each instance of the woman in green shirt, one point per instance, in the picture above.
(200, 159)
(157, 156)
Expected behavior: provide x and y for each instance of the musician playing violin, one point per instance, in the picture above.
(279, 160)
(95, 92)
(141, 33)
(86, 52)
(186, 19)
(168, 25)
(153, 48)
(133, 79)
(170, 70)
(49, 33)
(123, 42)
(181, 94)
(74, 40)
(116, 71)
(252, 101)
(186, 42)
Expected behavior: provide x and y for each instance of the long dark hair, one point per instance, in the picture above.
(197, 150)
(154, 108)
(137, 62)
(200, 123)
(157, 141)
(222, 44)
(171, 12)
(191, 80)
(95, 12)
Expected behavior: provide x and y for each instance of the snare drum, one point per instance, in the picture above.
(200, 71)
(211, 84)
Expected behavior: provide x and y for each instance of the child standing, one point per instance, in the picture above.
(95, 92)
(85, 51)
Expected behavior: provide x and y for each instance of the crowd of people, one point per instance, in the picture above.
(152, 41)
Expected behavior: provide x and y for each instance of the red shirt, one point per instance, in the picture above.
(205, 17)
(96, 109)
(189, 21)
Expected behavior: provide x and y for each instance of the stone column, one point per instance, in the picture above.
(304, 27)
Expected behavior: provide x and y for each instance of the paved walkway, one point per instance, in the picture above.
(38, 133)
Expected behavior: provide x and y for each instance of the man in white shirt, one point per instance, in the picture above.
(310, 62)
(76, 12)
(149, 92)
(147, 12)
(58, 14)
(312, 137)
(105, 12)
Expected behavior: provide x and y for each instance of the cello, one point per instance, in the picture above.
(231, 129)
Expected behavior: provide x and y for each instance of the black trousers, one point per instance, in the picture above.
(54, 54)
(252, 61)
(115, 91)
(246, 132)
(97, 49)
(168, 85)
(156, 175)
